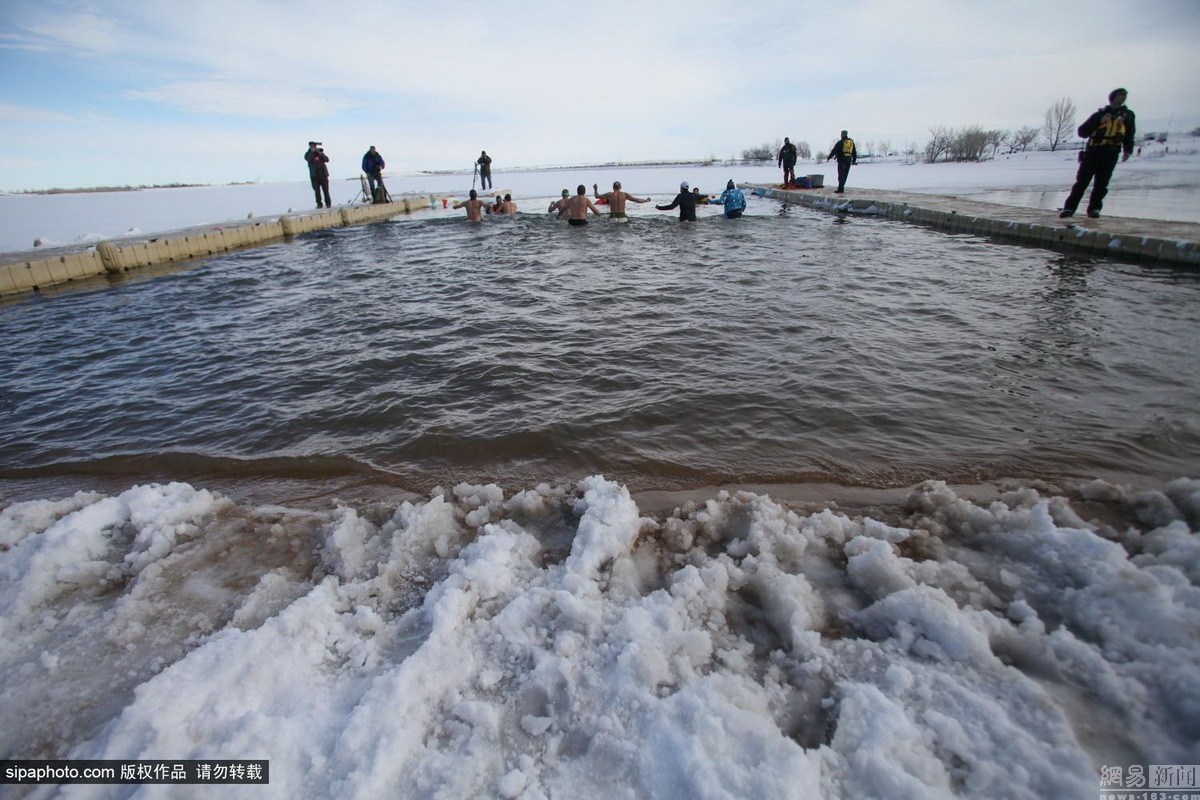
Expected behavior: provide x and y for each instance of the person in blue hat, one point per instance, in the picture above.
(733, 199)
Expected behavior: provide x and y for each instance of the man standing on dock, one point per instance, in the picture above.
(1109, 131)
(485, 171)
(787, 160)
(847, 156)
(616, 200)
(372, 164)
(318, 173)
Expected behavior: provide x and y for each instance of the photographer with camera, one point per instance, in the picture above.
(318, 173)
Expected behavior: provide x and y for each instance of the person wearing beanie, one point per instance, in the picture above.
(685, 201)
(1109, 132)
(557, 204)
(733, 199)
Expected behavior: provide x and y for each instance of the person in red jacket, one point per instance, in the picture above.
(1109, 132)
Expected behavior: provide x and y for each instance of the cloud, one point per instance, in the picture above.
(28, 114)
(80, 33)
(256, 100)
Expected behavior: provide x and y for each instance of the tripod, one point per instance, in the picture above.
(364, 195)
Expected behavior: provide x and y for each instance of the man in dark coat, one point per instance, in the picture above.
(685, 201)
(485, 170)
(372, 164)
(787, 160)
(847, 155)
(1109, 132)
(318, 173)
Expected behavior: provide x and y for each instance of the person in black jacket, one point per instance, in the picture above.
(372, 164)
(787, 160)
(847, 155)
(318, 173)
(1109, 131)
(485, 170)
(686, 201)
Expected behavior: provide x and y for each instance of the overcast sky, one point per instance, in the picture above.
(144, 91)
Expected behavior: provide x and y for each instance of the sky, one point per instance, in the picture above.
(149, 92)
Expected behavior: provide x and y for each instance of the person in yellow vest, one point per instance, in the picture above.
(846, 156)
(1109, 131)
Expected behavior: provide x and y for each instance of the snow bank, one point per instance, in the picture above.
(559, 643)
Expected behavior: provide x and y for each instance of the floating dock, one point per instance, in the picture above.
(38, 269)
(1143, 240)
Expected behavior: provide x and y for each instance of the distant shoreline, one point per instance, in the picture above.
(91, 189)
(605, 165)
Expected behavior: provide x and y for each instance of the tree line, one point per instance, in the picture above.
(967, 143)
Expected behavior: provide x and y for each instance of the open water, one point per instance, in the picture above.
(785, 347)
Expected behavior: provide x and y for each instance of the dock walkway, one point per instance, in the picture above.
(1145, 240)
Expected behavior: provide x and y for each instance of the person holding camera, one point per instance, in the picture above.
(318, 173)
(372, 164)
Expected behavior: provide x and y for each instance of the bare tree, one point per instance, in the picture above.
(968, 144)
(996, 139)
(1060, 122)
(803, 150)
(939, 143)
(1024, 138)
(762, 152)
(885, 148)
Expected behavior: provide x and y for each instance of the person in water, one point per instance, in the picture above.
(508, 206)
(474, 207)
(616, 200)
(733, 199)
(556, 205)
(575, 209)
(685, 201)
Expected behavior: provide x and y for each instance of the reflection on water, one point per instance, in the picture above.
(785, 346)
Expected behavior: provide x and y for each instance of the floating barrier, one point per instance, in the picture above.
(22, 274)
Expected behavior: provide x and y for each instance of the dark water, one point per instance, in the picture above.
(787, 346)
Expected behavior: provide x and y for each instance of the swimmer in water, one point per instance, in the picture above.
(575, 209)
(616, 200)
(474, 207)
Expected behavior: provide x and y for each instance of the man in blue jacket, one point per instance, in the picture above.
(1109, 132)
(733, 199)
(373, 165)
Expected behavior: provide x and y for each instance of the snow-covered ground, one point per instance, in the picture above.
(561, 643)
(1155, 185)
